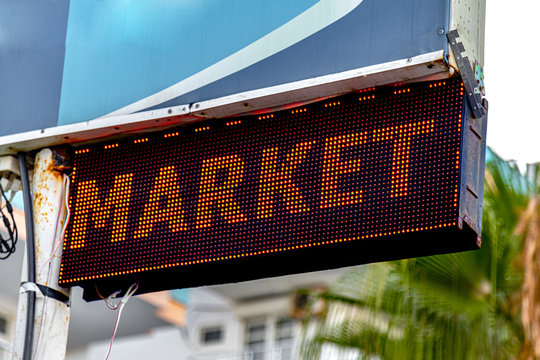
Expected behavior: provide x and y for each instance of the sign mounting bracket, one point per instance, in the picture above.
(472, 88)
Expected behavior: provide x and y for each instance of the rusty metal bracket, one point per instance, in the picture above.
(63, 159)
(474, 94)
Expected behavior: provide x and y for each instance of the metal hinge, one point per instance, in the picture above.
(474, 94)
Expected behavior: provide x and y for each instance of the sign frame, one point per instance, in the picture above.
(462, 236)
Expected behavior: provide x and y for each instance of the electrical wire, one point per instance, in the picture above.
(30, 255)
(120, 306)
(114, 332)
(109, 303)
(7, 246)
(65, 184)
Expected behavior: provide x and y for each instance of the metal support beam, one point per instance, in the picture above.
(52, 309)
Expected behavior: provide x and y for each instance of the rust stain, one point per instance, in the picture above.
(50, 167)
(38, 202)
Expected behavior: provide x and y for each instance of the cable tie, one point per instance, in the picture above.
(45, 291)
(30, 286)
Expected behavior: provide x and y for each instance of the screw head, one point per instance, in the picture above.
(441, 31)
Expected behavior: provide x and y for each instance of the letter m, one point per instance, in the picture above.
(89, 208)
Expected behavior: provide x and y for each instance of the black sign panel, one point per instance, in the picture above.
(368, 176)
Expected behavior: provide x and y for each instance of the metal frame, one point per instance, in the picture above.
(464, 235)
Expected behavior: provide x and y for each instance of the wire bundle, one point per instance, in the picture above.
(119, 306)
(7, 245)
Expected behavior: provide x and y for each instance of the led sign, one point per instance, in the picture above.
(367, 176)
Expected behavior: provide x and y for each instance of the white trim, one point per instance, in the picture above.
(421, 67)
(94, 129)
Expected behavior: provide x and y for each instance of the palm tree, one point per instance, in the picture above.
(529, 227)
(455, 306)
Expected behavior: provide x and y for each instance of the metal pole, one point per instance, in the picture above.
(52, 309)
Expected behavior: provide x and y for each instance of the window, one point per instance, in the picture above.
(284, 338)
(256, 339)
(269, 338)
(211, 335)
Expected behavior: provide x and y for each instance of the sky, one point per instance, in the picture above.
(511, 79)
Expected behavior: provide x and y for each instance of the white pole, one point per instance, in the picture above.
(51, 318)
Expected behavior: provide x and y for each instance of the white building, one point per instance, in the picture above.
(244, 321)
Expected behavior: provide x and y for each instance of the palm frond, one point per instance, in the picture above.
(454, 306)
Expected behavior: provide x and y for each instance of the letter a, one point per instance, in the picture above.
(166, 188)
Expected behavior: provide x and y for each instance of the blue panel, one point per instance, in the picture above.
(118, 53)
(113, 53)
(377, 31)
(32, 37)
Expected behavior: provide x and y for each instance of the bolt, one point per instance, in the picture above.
(196, 106)
(409, 60)
(170, 111)
(441, 31)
